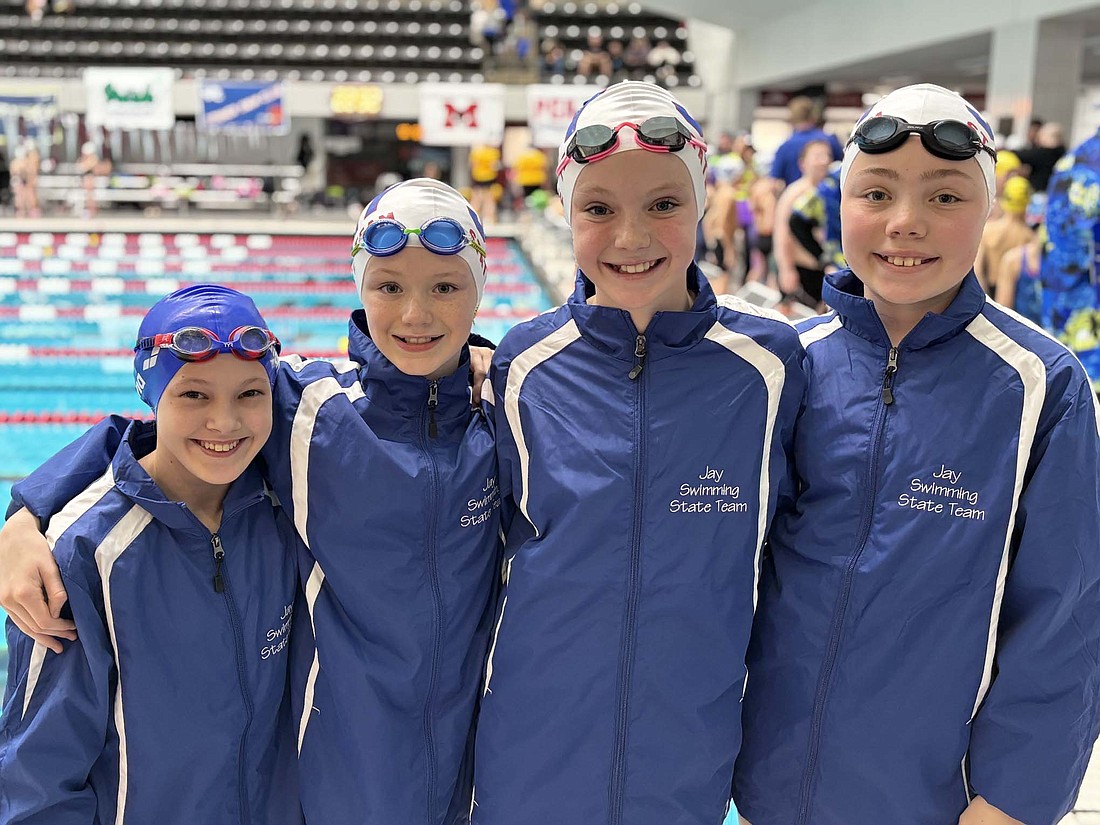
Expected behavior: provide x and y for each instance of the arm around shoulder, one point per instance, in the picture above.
(31, 590)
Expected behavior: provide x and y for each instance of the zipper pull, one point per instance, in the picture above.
(888, 377)
(639, 353)
(433, 402)
(219, 555)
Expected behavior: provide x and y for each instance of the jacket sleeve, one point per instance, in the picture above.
(55, 723)
(68, 472)
(1032, 737)
(507, 455)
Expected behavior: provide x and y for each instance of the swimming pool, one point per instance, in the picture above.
(70, 304)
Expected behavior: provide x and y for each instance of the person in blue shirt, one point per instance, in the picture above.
(804, 123)
(927, 641)
(171, 706)
(389, 472)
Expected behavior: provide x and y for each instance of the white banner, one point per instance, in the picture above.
(129, 98)
(461, 114)
(550, 110)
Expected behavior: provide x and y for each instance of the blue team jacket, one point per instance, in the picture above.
(171, 707)
(393, 485)
(391, 481)
(929, 622)
(645, 469)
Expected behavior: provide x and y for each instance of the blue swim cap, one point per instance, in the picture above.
(219, 309)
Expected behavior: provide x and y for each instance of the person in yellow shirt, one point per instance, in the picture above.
(484, 166)
(530, 169)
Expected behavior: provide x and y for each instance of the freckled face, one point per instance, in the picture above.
(633, 220)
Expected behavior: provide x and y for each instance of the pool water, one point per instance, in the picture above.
(70, 305)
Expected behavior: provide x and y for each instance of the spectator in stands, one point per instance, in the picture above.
(1001, 234)
(595, 61)
(487, 21)
(484, 169)
(635, 57)
(518, 37)
(1050, 148)
(663, 59)
(615, 52)
(553, 58)
(804, 118)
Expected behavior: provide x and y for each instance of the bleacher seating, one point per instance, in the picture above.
(334, 40)
(570, 21)
(316, 39)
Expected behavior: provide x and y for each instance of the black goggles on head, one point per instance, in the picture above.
(661, 134)
(947, 139)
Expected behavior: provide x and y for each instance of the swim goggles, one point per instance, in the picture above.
(249, 343)
(443, 236)
(947, 139)
(657, 134)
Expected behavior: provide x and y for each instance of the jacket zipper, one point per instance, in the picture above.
(639, 353)
(433, 402)
(841, 608)
(221, 585)
(219, 556)
(888, 376)
(626, 667)
(437, 595)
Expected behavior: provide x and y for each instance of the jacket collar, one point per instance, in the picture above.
(131, 479)
(612, 331)
(386, 386)
(843, 291)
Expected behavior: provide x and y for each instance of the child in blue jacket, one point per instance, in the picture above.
(928, 635)
(179, 567)
(390, 473)
(644, 433)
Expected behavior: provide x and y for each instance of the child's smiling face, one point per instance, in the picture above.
(212, 420)
(634, 219)
(420, 307)
(911, 225)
